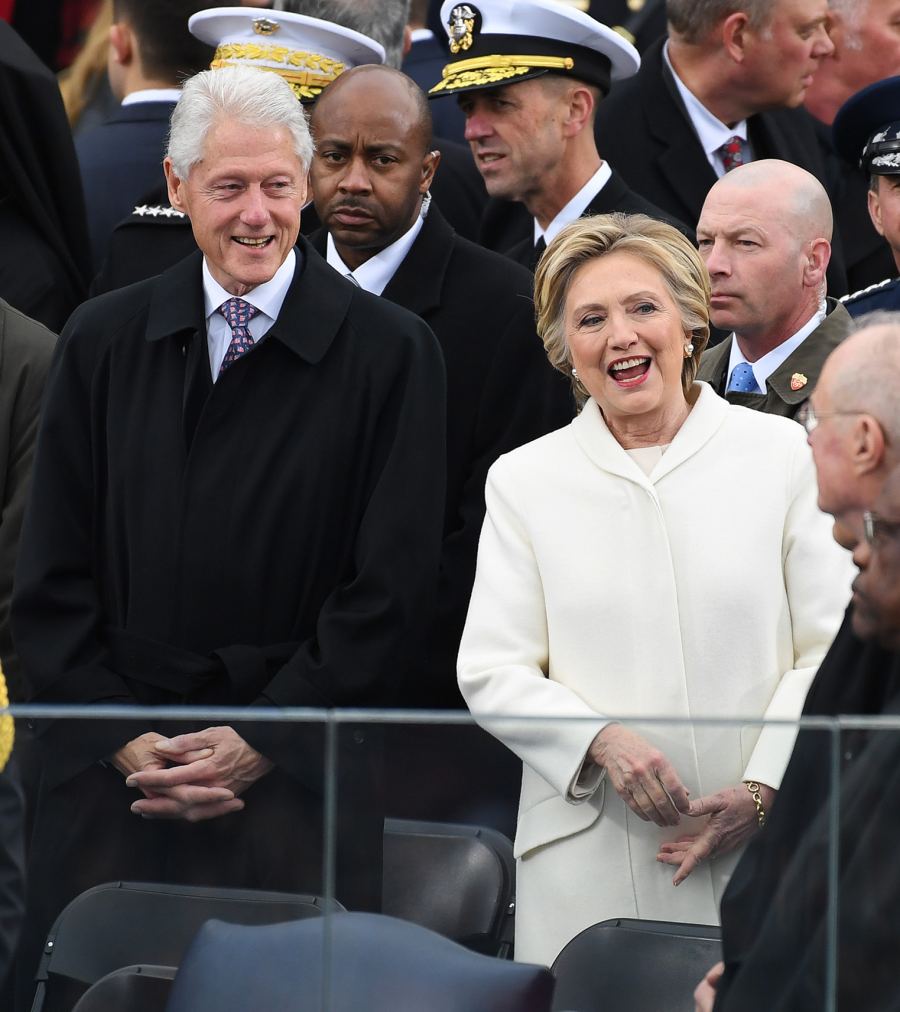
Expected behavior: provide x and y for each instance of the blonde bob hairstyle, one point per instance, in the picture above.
(657, 244)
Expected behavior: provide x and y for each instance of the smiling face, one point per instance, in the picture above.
(244, 199)
(372, 164)
(515, 135)
(782, 57)
(627, 341)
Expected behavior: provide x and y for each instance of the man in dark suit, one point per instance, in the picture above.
(250, 454)
(765, 236)
(151, 52)
(724, 88)
(529, 119)
(370, 175)
(854, 432)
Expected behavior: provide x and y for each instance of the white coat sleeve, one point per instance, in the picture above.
(503, 658)
(817, 577)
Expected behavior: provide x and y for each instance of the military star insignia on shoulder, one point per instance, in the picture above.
(156, 211)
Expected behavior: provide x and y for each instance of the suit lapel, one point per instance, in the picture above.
(419, 280)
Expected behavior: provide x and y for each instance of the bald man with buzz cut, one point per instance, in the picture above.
(765, 235)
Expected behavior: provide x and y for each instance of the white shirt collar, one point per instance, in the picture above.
(576, 206)
(711, 131)
(420, 35)
(267, 298)
(152, 95)
(375, 274)
(765, 366)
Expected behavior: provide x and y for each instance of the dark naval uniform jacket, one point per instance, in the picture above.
(501, 392)
(645, 131)
(885, 295)
(270, 540)
(508, 227)
(794, 380)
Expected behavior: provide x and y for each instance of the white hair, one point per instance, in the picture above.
(249, 95)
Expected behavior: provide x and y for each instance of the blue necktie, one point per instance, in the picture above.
(742, 380)
(238, 315)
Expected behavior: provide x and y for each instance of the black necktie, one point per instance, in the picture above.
(539, 248)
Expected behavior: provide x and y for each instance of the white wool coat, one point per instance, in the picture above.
(710, 588)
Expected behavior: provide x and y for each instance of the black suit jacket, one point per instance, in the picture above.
(501, 393)
(615, 196)
(644, 130)
(271, 540)
(120, 160)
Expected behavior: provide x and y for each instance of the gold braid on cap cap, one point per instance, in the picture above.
(7, 727)
(486, 70)
(307, 73)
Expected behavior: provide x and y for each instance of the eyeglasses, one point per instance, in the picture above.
(876, 528)
(809, 418)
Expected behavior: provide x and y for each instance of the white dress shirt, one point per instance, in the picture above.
(152, 95)
(765, 366)
(267, 298)
(576, 206)
(710, 130)
(375, 274)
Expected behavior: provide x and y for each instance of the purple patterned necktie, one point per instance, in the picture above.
(732, 152)
(238, 315)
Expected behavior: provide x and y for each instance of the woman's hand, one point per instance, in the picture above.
(732, 820)
(642, 776)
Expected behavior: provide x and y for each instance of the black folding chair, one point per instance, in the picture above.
(626, 965)
(131, 989)
(122, 924)
(456, 880)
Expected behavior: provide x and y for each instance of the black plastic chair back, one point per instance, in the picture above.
(625, 965)
(131, 989)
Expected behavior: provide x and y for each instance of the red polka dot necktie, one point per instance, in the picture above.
(238, 315)
(732, 152)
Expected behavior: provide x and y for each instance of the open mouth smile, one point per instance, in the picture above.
(251, 243)
(629, 372)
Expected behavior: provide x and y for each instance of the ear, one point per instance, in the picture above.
(875, 208)
(429, 166)
(817, 254)
(867, 446)
(734, 32)
(121, 43)
(581, 106)
(407, 40)
(175, 187)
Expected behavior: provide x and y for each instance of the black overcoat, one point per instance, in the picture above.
(272, 539)
(501, 392)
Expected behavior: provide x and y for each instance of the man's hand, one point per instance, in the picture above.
(705, 993)
(211, 768)
(642, 776)
(732, 820)
(139, 754)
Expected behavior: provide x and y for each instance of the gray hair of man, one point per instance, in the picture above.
(874, 337)
(693, 20)
(258, 98)
(381, 20)
(852, 12)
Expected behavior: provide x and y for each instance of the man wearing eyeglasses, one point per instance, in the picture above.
(765, 236)
(853, 422)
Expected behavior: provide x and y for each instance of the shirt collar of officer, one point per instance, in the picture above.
(576, 206)
(268, 297)
(710, 130)
(772, 360)
(152, 95)
(376, 273)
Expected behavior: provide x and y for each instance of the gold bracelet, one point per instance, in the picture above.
(753, 787)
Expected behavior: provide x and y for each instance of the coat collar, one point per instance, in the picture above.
(316, 294)
(418, 282)
(600, 446)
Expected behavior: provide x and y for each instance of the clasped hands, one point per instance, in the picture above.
(648, 783)
(193, 776)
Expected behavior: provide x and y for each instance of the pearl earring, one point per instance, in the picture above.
(574, 373)
(688, 350)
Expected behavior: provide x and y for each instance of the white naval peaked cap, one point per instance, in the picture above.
(307, 52)
(497, 42)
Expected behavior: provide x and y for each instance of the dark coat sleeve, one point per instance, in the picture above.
(26, 349)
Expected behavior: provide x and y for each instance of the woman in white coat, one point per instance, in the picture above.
(662, 556)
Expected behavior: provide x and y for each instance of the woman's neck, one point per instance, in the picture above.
(657, 429)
